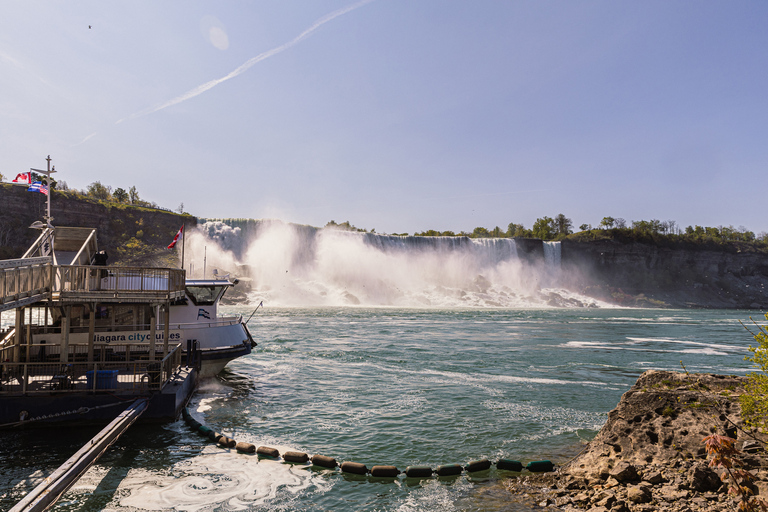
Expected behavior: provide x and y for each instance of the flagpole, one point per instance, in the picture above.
(183, 243)
(47, 173)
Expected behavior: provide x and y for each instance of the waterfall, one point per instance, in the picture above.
(552, 255)
(293, 265)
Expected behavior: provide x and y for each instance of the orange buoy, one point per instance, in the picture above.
(385, 471)
(268, 452)
(354, 468)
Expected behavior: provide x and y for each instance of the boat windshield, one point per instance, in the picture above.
(204, 295)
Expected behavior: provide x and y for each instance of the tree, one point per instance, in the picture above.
(180, 209)
(607, 222)
(133, 195)
(120, 195)
(585, 227)
(544, 228)
(515, 230)
(480, 232)
(620, 223)
(563, 225)
(99, 191)
(2, 178)
(754, 402)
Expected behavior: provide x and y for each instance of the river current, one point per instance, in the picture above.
(386, 386)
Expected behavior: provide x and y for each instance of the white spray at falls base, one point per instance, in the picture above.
(292, 265)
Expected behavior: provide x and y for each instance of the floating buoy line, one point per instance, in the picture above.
(357, 468)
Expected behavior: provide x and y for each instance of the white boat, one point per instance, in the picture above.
(195, 318)
(103, 310)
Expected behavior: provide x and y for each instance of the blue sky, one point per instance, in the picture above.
(397, 115)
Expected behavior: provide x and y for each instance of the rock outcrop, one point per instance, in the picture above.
(650, 454)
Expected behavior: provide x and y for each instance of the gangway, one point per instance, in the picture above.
(50, 490)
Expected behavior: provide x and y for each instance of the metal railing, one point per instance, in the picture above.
(23, 281)
(132, 376)
(96, 282)
(27, 280)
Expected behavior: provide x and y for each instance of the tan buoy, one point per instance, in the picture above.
(268, 452)
(324, 461)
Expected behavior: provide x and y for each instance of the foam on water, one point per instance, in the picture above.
(219, 480)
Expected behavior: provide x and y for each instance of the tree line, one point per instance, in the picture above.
(560, 226)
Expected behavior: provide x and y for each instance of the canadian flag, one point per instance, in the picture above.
(176, 238)
(24, 177)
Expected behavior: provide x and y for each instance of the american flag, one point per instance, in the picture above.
(38, 187)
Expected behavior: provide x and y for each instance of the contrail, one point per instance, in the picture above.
(200, 89)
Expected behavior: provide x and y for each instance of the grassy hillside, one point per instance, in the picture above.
(131, 235)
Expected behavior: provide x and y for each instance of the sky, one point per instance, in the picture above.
(397, 115)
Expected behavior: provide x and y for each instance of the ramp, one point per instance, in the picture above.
(50, 490)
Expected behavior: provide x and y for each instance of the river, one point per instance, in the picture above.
(399, 386)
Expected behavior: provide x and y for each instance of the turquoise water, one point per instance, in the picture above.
(387, 386)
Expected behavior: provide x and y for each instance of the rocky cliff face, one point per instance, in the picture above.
(650, 454)
(129, 234)
(640, 274)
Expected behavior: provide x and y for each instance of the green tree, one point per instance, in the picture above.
(754, 402)
(2, 177)
(99, 191)
(133, 195)
(544, 228)
(563, 225)
(480, 232)
(515, 230)
(585, 227)
(120, 195)
(607, 222)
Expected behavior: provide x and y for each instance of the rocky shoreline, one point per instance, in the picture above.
(650, 454)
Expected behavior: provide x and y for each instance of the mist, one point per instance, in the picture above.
(290, 265)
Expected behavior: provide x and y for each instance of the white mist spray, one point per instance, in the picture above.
(292, 265)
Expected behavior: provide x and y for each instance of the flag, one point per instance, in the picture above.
(176, 238)
(24, 178)
(38, 187)
(203, 313)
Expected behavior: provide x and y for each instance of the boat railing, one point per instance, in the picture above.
(24, 280)
(136, 375)
(81, 352)
(109, 283)
(218, 322)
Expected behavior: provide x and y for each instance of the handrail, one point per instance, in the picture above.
(23, 281)
(137, 375)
